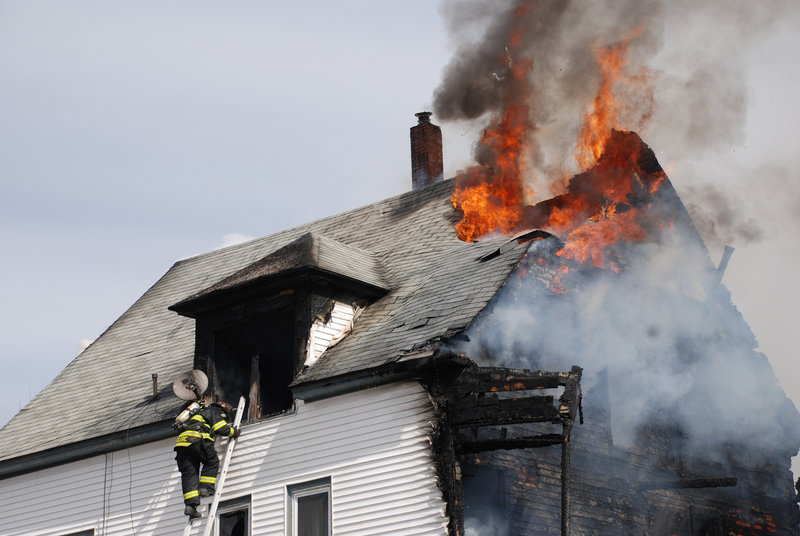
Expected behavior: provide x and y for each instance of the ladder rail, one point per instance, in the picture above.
(212, 509)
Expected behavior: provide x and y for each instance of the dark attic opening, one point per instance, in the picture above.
(258, 328)
(255, 357)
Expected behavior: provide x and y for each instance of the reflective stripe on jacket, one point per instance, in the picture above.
(187, 437)
(200, 427)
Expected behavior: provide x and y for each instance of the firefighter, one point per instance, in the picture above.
(198, 424)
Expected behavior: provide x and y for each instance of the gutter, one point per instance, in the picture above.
(407, 367)
(86, 449)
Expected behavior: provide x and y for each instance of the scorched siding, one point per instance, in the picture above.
(373, 445)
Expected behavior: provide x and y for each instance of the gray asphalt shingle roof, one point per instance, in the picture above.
(437, 284)
(309, 251)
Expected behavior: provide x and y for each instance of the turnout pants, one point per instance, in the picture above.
(192, 478)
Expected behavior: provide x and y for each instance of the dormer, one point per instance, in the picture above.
(256, 329)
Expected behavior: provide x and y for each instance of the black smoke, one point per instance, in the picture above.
(694, 55)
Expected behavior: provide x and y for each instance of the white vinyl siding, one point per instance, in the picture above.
(325, 334)
(373, 445)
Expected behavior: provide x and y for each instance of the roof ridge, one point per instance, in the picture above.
(421, 192)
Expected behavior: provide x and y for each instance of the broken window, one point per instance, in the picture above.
(257, 328)
(233, 518)
(310, 508)
(256, 350)
(255, 358)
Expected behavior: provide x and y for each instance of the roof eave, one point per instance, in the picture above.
(413, 366)
(86, 449)
(408, 367)
(297, 277)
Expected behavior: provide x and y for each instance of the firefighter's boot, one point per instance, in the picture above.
(191, 511)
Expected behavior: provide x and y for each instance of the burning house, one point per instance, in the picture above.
(667, 443)
(418, 383)
(472, 357)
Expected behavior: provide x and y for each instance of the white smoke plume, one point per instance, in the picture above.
(662, 332)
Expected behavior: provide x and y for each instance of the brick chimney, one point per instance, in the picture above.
(426, 152)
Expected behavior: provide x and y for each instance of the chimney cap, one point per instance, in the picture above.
(424, 117)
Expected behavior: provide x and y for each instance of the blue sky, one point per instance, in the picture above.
(135, 134)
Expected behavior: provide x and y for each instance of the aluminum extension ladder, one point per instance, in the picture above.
(212, 509)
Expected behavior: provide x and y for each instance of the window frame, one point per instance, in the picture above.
(305, 489)
(234, 505)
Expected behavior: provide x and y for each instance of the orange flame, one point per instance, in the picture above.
(604, 205)
(601, 206)
(492, 196)
(599, 213)
(608, 111)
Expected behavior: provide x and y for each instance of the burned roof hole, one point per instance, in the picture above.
(552, 244)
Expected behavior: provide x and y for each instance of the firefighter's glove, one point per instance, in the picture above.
(236, 432)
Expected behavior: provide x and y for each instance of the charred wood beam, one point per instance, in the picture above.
(478, 400)
(691, 483)
(569, 404)
(472, 402)
(254, 406)
(566, 489)
(495, 411)
(446, 462)
(543, 440)
(496, 383)
(493, 379)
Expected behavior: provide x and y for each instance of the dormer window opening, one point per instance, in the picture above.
(259, 327)
(255, 359)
